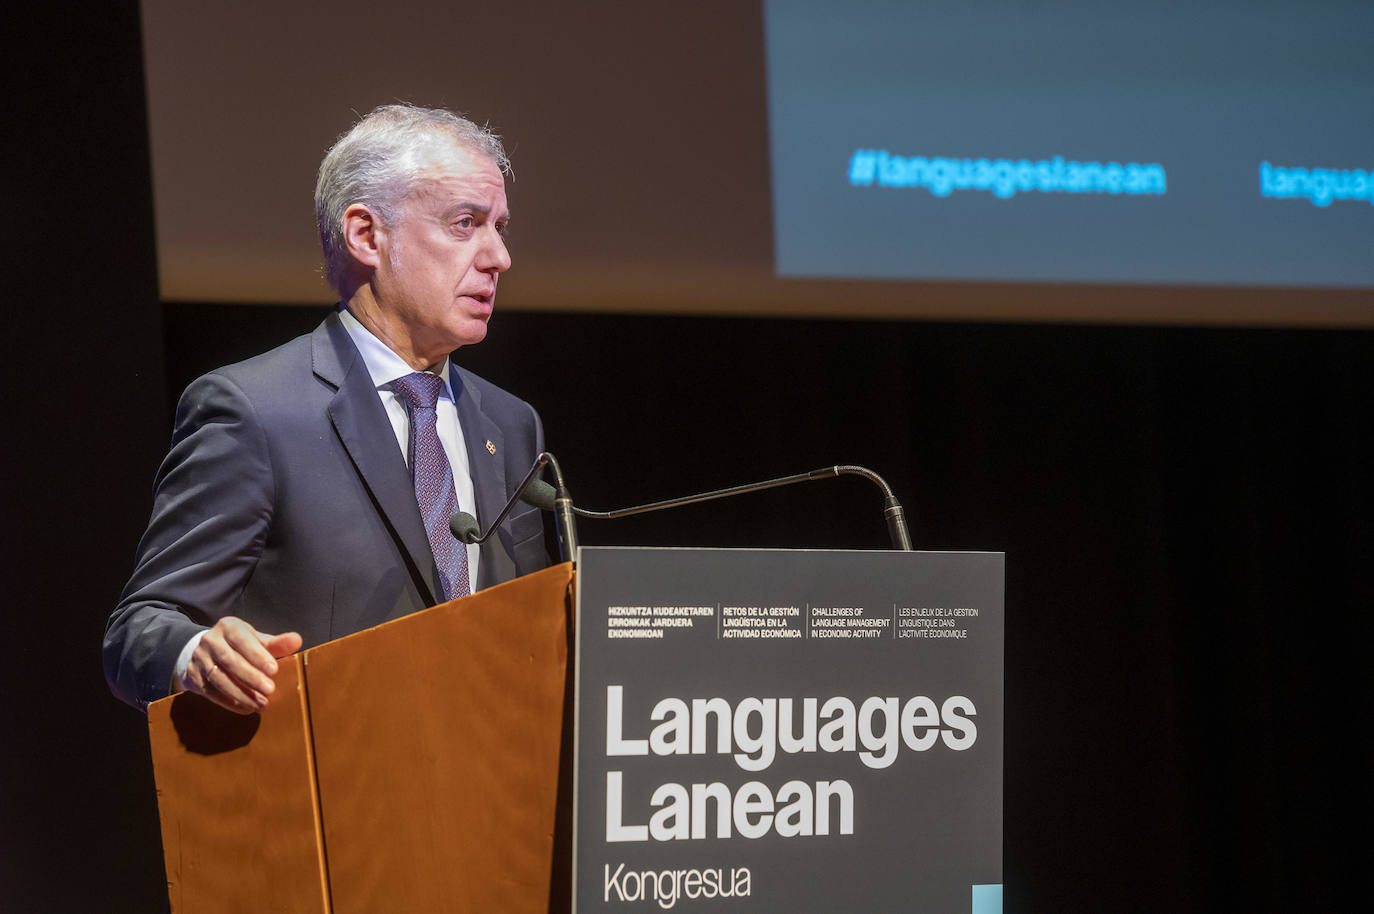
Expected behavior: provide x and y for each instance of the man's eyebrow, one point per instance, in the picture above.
(470, 206)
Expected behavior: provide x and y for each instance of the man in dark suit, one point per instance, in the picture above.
(307, 492)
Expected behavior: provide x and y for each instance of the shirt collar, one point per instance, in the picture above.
(383, 365)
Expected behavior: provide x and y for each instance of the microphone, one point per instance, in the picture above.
(466, 529)
(464, 526)
(541, 495)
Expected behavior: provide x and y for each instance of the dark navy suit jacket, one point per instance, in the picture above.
(285, 501)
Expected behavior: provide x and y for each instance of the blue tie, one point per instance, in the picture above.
(429, 465)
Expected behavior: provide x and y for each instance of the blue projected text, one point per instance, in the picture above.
(1318, 185)
(1004, 178)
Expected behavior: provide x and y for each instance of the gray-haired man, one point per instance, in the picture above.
(305, 493)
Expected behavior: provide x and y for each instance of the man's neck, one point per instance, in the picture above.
(363, 305)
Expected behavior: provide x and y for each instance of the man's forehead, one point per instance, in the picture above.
(452, 160)
(455, 171)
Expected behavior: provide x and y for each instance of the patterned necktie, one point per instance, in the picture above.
(433, 479)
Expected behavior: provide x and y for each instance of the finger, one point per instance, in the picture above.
(248, 641)
(236, 677)
(281, 645)
(220, 667)
(220, 688)
(243, 656)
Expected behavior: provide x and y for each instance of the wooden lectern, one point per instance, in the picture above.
(409, 767)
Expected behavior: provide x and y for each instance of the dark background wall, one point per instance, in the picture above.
(1186, 514)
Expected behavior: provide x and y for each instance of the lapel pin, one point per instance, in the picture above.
(491, 448)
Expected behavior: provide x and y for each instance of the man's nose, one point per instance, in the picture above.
(494, 256)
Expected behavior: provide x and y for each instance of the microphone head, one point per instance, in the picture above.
(538, 494)
(464, 526)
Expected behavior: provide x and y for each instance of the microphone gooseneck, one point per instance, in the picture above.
(892, 508)
(541, 495)
(465, 527)
(556, 498)
(533, 491)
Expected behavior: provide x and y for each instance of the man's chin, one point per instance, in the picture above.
(472, 331)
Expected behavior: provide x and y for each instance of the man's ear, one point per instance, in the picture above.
(361, 231)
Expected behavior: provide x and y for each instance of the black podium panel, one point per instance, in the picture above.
(788, 730)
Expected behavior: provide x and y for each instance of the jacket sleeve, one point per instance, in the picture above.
(212, 508)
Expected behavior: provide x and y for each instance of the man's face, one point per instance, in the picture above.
(440, 259)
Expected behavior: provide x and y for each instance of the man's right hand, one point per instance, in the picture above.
(234, 663)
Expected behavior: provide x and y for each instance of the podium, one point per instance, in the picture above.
(776, 730)
(409, 767)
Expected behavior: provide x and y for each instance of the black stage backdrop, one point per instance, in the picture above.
(1185, 512)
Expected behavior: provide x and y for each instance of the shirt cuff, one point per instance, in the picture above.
(184, 661)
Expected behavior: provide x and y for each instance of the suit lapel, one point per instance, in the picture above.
(486, 462)
(363, 428)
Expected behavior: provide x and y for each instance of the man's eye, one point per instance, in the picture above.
(464, 222)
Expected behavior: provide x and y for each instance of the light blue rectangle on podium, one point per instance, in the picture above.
(987, 899)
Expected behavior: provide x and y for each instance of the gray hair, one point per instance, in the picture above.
(375, 164)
